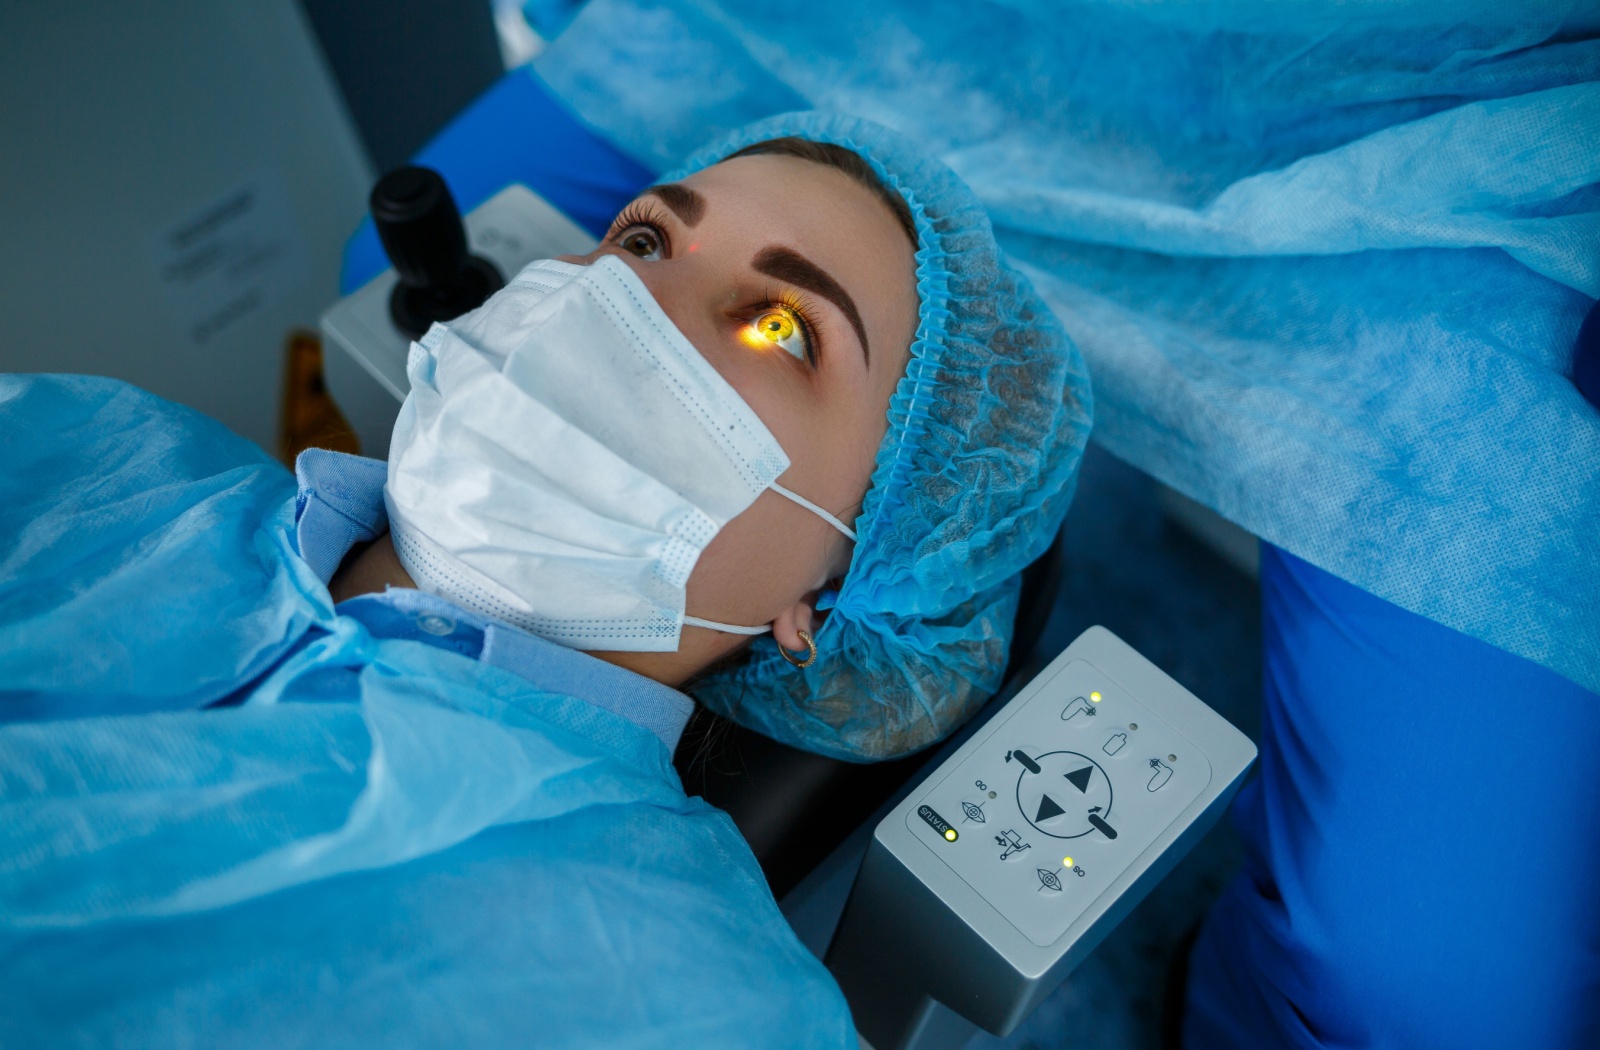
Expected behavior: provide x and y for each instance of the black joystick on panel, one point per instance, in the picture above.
(421, 230)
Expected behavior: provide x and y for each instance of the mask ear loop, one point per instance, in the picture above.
(725, 628)
(805, 636)
(813, 508)
(728, 628)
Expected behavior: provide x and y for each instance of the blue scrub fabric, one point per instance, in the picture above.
(233, 814)
(1326, 261)
(1422, 841)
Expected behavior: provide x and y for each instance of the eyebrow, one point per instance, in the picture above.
(789, 266)
(685, 203)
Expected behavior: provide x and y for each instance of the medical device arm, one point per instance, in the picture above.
(999, 873)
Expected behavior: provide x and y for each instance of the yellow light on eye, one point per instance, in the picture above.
(776, 326)
(949, 834)
(773, 328)
(1095, 697)
(782, 327)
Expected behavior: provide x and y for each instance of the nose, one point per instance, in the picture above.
(677, 286)
(655, 275)
(686, 287)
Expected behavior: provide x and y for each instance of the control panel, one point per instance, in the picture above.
(1006, 865)
(1062, 794)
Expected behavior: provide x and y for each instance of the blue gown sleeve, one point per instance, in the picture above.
(146, 553)
(388, 844)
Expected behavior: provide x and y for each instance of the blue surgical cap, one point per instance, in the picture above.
(986, 429)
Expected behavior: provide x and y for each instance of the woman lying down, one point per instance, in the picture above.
(386, 759)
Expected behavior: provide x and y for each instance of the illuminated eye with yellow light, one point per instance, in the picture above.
(778, 327)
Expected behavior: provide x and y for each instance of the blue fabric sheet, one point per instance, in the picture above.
(375, 841)
(1326, 261)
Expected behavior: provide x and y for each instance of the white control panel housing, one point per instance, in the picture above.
(1010, 862)
(366, 362)
(1063, 792)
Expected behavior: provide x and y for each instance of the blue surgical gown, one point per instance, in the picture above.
(233, 814)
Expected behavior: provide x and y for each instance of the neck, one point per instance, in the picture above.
(369, 570)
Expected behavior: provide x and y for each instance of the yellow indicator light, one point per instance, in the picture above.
(1095, 697)
(949, 834)
(1066, 862)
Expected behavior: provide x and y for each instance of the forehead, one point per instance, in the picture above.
(801, 194)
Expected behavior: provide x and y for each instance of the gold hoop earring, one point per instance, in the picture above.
(805, 636)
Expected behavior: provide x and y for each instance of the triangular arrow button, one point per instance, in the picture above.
(1080, 778)
(1048, 809)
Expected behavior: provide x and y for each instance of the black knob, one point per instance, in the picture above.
(420, 227)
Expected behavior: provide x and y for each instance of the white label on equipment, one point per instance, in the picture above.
(238, 254)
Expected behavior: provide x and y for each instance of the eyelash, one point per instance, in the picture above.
(641, 212)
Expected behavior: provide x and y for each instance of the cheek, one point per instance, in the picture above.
(761, 562)
(785, 402)
(838, 458)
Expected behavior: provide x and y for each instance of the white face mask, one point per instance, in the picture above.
(564, 457)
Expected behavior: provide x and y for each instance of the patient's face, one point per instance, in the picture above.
(798, 285)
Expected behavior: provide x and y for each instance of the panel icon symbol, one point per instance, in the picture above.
(1047, 803)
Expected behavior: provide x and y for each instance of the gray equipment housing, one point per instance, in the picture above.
(929, 920)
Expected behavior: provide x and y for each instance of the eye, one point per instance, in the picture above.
(642, 241)
(640, 231)
(781, 327)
